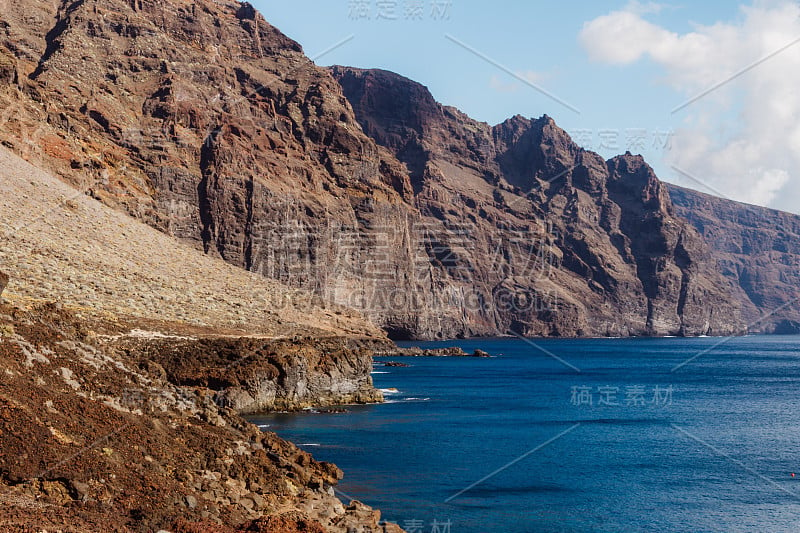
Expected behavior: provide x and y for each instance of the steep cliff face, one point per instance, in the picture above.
(672, 261)
(206, 122)
(757, 249)
(619, 260)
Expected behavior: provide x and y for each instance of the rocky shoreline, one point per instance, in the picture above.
(101, 430)
(232, 229)
(254, 375)
(415, 351)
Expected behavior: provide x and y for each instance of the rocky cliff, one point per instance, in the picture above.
(616, 259)
(252, 375)
(757, 249)
(70, 248)
(94, 436)
(207, 123)
(128, 389)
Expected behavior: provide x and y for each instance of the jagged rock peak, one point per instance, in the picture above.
(401, 98)
(634, 174)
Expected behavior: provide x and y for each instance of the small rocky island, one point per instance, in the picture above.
(454, 351)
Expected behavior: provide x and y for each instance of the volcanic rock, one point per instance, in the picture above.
(206, 122)
(128, 452)
(252, 375)
(756, 249)
(616, 259)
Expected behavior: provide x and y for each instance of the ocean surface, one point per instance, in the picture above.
(575, 435)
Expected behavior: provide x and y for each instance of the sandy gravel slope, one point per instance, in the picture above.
(59, 244)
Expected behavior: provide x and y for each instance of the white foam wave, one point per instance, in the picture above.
(400, 400)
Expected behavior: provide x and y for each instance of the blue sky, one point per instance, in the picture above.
(622, 104)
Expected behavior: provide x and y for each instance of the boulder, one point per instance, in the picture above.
(3, 282)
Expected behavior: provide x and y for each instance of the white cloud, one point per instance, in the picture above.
(533, 76)
(500, 85)
(507, 84)
(742, 138)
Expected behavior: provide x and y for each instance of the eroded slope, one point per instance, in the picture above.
(62, 245)
(94, 437)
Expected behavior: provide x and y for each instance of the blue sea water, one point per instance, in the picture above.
(708, 446)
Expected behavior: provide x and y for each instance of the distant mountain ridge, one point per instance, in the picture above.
(206, 122)
(757, 249)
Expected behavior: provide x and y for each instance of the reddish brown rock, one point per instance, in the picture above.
(758, 251)
(292, 522)
(92, 440)
(208, 123)
(624, 263)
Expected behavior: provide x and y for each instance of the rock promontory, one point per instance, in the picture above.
(97, 435)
